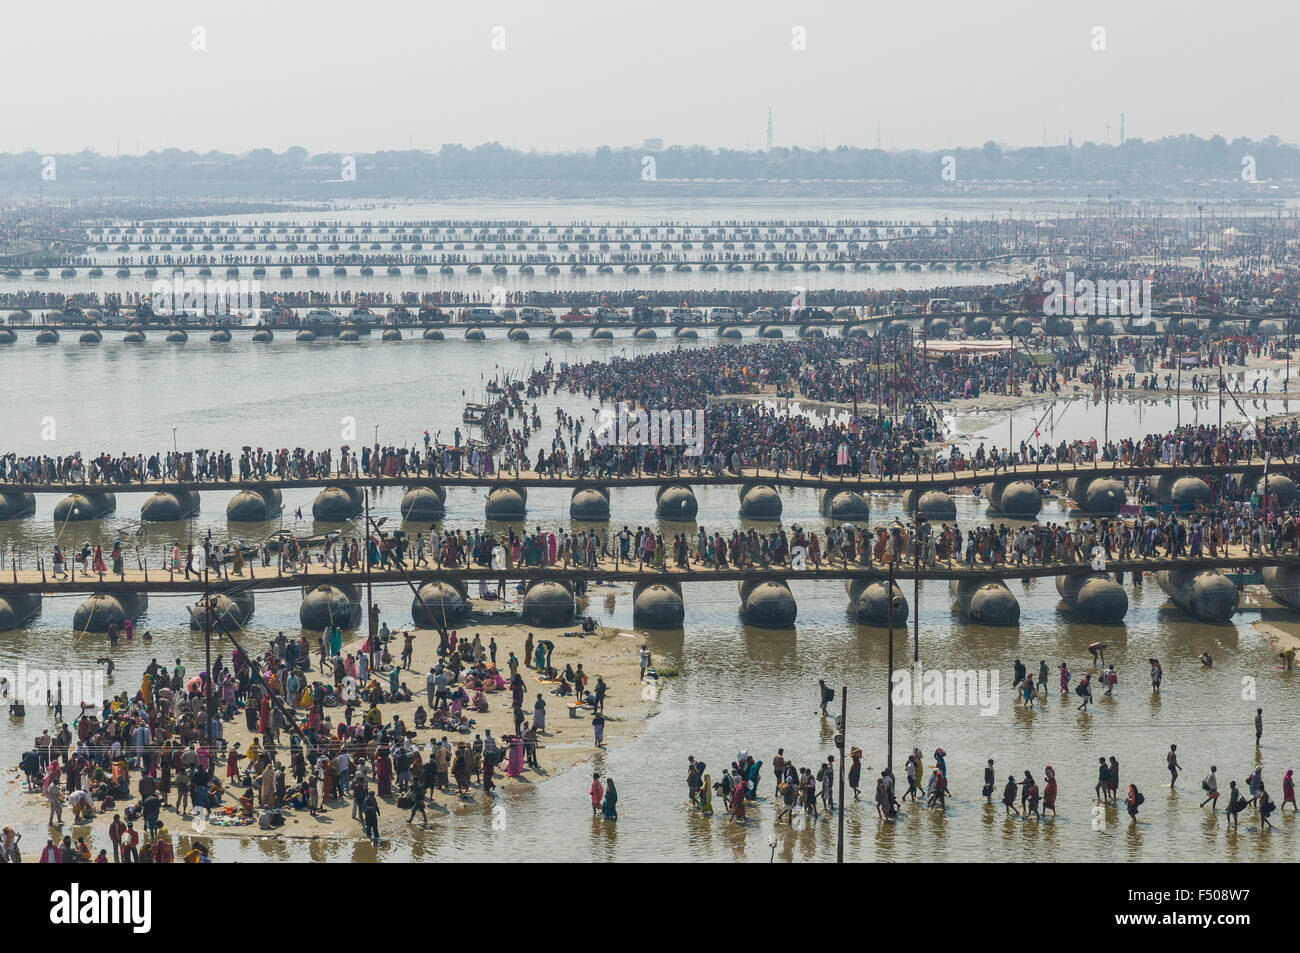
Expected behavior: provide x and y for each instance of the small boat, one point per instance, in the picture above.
(494, 388)
(475, 413)
(227, 553)
(277, 540)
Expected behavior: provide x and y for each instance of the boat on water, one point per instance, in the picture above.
(280, 538)
(475, 413)
(226, 553)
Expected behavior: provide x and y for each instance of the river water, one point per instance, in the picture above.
(739, 688)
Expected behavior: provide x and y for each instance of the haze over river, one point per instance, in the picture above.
(739, 688)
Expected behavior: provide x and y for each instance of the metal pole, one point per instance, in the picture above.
(1222, 386)
(889, 686)
(1265, 454)
(207, 655)
(1178, 400)
(372, 616)
(844, 733)
(1105, 433)
(916, 595)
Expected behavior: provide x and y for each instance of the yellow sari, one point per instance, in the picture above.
(706, 796)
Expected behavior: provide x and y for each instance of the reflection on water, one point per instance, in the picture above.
(744, 688)
(739, 688)
(1081, 417)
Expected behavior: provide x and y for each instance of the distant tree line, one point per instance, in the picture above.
(1172, 164)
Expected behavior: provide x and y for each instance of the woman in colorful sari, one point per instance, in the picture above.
(232, 760)
(738, 802)
(383, 772)
(516, 690)
(266, 783)
(1049, 791)
(1288, 790)
(597, 793)
(610, 805)
(228, 693)
(706, 796)
(515, 762)
(460, 770)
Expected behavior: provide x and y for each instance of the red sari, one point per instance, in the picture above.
(384, 773)
(738, 800)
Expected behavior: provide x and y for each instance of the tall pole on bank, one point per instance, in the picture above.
(916, 592)
(1178, 400)
(889, 686)
(843, 735)
(207, 655)
(371, 616)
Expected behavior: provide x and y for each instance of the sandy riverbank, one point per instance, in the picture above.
(1281, 633)
(565, 742)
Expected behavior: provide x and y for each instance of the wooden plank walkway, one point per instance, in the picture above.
(271, 578)
(789, 478)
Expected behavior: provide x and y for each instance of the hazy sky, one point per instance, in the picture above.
(574, 74)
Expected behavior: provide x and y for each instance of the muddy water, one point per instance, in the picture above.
(739, 688)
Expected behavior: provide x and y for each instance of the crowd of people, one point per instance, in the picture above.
(804, 796)
(318, 739)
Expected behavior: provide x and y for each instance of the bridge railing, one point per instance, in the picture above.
(1037, 472)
